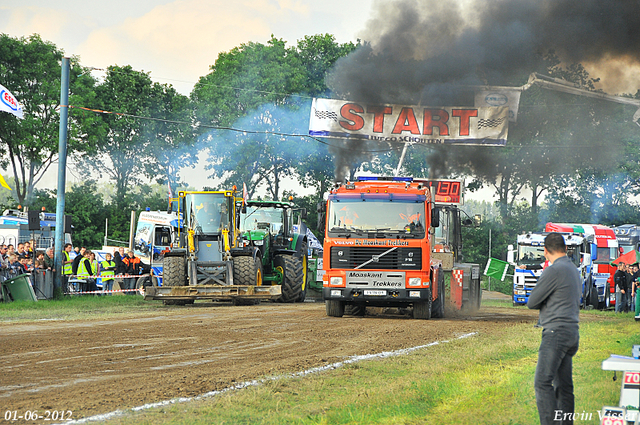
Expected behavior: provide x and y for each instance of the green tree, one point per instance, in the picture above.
(266, 89)
(30, 68)
(146, 133)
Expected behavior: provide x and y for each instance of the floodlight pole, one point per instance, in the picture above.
(62, 176)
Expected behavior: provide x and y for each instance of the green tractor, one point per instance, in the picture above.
(269, 235)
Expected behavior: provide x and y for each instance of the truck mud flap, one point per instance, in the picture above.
(466, 293)
(212, 292)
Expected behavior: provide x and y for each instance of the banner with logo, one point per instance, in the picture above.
(8, 103)
(500, 96)
(487, 126)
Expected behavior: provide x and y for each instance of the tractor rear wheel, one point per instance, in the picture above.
(247, 271)
(173, 274)
(305, 273)
(173, 271)
(292, 277)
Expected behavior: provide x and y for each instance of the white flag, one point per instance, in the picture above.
(9, 103)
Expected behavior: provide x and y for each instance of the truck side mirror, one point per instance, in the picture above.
(303, 213)
(510, 254)
(435, 217)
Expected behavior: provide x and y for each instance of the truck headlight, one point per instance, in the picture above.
(415, 281)
(336, 293)
(335, 281)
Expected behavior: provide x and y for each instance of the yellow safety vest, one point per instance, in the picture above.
(82, 269)
(67, 269)
(94, 268)
(107, 274)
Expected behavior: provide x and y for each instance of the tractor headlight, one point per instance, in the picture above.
(258, 243)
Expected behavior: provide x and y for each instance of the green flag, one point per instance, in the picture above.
(496, 268)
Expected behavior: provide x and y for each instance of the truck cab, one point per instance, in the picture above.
(377, 247)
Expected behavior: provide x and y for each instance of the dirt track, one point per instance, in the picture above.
(102, 366)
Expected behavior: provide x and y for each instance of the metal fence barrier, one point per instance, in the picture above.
(41, 281)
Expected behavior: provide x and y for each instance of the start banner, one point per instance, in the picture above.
(487, 126)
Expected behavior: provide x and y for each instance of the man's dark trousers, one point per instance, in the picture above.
(555, 397)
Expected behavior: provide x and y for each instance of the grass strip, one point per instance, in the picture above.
(487, 379)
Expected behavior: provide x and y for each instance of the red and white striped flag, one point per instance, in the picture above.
(245, 194)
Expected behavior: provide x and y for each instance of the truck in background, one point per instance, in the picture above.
(628, 236)
(156, 232)
(590, 247)
(528, 260)
(14, 228)
(601, 270)
(378, 249)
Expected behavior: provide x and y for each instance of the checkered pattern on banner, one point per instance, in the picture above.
(326, 115)
(491, 123)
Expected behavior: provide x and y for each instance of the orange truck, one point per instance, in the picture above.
(379, 236)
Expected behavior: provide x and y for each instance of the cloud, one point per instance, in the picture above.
(183, 38)
(62, 27)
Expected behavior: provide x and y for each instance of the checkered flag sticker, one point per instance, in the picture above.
(490, 123)
(326, 115)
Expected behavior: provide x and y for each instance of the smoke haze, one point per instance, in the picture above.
(425, 51)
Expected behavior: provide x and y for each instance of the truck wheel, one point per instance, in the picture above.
(355, 309)
(334, 308)
(292, 279)
(606, 303)
(145, 281)
(437, 308)
(247, 271)
(593, 296)
(422, 310)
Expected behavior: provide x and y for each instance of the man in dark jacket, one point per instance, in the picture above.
(133, 268)
(557, 296)
(621, 279)
(76, 261)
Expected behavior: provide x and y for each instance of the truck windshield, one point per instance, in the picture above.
(606, 255)
(262, 217)
(529, 255)
(356, 216)
(207, 213)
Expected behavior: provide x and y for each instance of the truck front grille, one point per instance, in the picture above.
(398, 259)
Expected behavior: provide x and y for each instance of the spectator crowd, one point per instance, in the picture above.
(23, 258)
(627, 281)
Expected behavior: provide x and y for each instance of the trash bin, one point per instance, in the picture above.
(19, 288)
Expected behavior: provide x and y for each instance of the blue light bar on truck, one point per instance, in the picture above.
(401, 197)
(385, 179)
